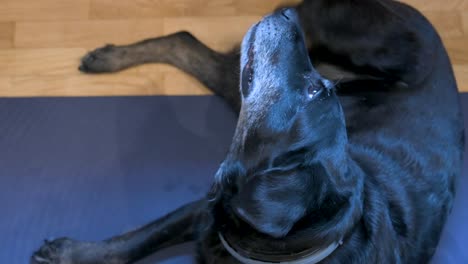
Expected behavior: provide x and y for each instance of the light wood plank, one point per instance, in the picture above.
(23, 10)
(457, 49)
(464, 17)
(122, 9)
(89, 34)
(84, 85)
(461, 71)
(262, 7)
(212, 30)
(53, 72)
(16, 62)
(437, 5)
(167, 82)
(447, 23)
(176, 82)
(5, 86)
(7, 33)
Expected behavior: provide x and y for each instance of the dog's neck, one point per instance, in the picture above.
(317, 236)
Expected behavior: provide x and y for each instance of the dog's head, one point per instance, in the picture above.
(290, 138)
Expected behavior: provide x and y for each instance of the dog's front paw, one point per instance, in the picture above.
(106, 59)
(59, 251)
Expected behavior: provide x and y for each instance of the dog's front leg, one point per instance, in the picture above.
(217, 71)
(175, 228)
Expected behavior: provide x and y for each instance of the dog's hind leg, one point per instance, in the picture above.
(385, 39)
(177, 227)
(217, 71)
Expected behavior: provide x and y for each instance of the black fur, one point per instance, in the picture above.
(371, 156)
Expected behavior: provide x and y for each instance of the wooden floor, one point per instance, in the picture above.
(41, 41)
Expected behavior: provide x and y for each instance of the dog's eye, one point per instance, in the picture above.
(250, 78)
(247, 79)
(314, 91)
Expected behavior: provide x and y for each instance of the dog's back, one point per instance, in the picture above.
(409, 137)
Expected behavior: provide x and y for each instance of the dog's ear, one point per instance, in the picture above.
(273, 202)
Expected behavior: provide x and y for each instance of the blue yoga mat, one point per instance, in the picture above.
(91, 168)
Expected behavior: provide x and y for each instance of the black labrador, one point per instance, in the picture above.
(354, 160)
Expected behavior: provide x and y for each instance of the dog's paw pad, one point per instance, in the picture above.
(53, 252)
(100, 60)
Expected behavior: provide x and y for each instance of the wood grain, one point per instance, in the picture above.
(66, 85)
(438, 5)
(30, 10)
(41, 42)
(87, 33)
(7, 33)
(212, 30)
(124, 9)
(37, 62)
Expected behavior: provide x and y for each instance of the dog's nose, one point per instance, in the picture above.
(284, 13)
(287, 13)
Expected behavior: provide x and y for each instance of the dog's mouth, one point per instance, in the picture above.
(248, 71)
